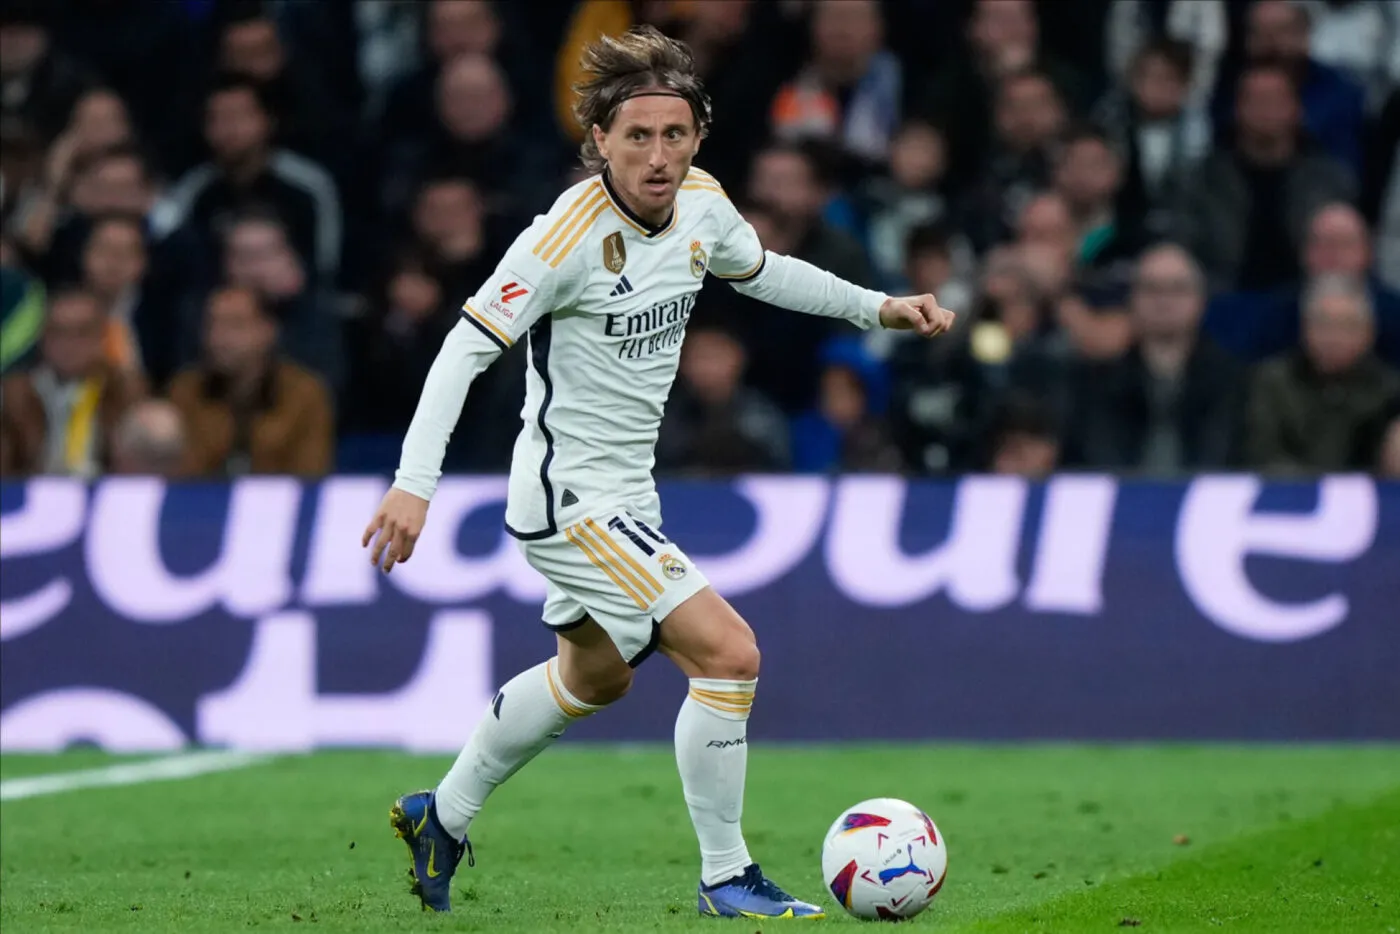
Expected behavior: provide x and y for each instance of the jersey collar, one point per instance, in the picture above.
(641, 226)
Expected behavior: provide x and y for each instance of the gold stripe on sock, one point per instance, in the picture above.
(564, 705)
(726, 703)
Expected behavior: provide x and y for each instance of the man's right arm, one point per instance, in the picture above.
(522, 289)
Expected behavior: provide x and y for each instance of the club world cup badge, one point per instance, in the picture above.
(614, 252)
(699, 261)
(672, 566)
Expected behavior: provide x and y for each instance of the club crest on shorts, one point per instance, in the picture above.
(614, 252)
(672, 566)
(699, 261)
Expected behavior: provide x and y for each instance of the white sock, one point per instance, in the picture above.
(712, 753)
(529, 713)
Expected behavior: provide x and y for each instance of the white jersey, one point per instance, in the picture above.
(602, 298)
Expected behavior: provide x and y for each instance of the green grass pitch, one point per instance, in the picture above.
(596, 839)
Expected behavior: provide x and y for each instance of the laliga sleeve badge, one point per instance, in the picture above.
(672, 566)
(614, 252)
(698, 260)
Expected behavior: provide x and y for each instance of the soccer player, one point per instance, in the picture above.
(601, 288)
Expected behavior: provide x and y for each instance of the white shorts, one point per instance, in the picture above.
(619, 571)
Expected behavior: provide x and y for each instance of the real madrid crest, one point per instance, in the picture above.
(672, 566)
(614, 252)
(698, 260)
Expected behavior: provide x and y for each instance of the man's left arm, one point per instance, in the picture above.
(799, 286)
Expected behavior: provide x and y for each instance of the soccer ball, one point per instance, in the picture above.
(884, 860)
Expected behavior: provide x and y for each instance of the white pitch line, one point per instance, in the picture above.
(168, 768)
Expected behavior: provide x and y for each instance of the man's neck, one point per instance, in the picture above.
(1268, 153)
(243, 172)
(1166, 357)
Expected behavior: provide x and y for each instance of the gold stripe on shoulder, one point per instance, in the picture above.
(701, 173)
(588, 195)
(579, 230)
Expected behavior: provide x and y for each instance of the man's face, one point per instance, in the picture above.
(1022, 454)
(22, 46)
(462, 27)
(1336, 333)
(1028, 112)
(1277, 31)
(1003, 24)
(253, 49)
(1158, 90)
(1267, 106)
(237, 335)
(115, 185)
(1337, 243)
(114, 259)
(100, 121)
(254, 253)
(785, 181)
(845, 33)
(649, 148)
(473, 102)
(712, 363)
(235, 125)
(1088, 175)
(447, 216)
(1166, 300)
(72, 341)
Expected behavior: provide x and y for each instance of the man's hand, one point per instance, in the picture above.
(398, 523)
(916, 313)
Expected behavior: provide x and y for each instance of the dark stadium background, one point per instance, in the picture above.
(1114, 478)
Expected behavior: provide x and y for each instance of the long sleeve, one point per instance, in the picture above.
(465, 354)
(800, 286)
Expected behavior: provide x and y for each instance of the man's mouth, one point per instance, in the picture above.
(657, 185)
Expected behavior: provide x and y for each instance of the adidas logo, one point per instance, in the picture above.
(568, 499)
(622, 288)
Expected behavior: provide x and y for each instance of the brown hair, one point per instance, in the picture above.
(617, 68)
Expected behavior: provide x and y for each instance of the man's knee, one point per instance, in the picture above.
(736, 660)
(603, 686)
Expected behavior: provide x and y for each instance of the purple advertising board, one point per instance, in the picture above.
(138, 616)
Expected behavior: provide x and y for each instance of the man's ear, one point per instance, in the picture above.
(600, 140)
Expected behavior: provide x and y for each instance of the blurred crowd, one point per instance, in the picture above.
(235, 233)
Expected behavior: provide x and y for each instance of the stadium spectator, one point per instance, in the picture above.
(1161, 132)
(1325, 406)
(149, 440)
(308, 119)
(909, 196)
(1380, 194)
(1089, 177)
(1278, 33)
(1003, 39)
(1247, 212)
(1202, 27)
(59, 416)
(1171, 403)
(248, 171)
(1025, 439)
(114, 270)
(259, 256)
(1028, 121)
(850, 91)
(946, 392)
(38, 83)
(245, 408)
(847, 431)
(785, 345)
(450, 224)
(713, 422)
(473, 135)
(21, 310)
(1360, 40)
(1389, 465)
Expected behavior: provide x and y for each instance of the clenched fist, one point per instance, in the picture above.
(916, 313)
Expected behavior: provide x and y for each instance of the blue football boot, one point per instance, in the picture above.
(435, 852)
(752, 895)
